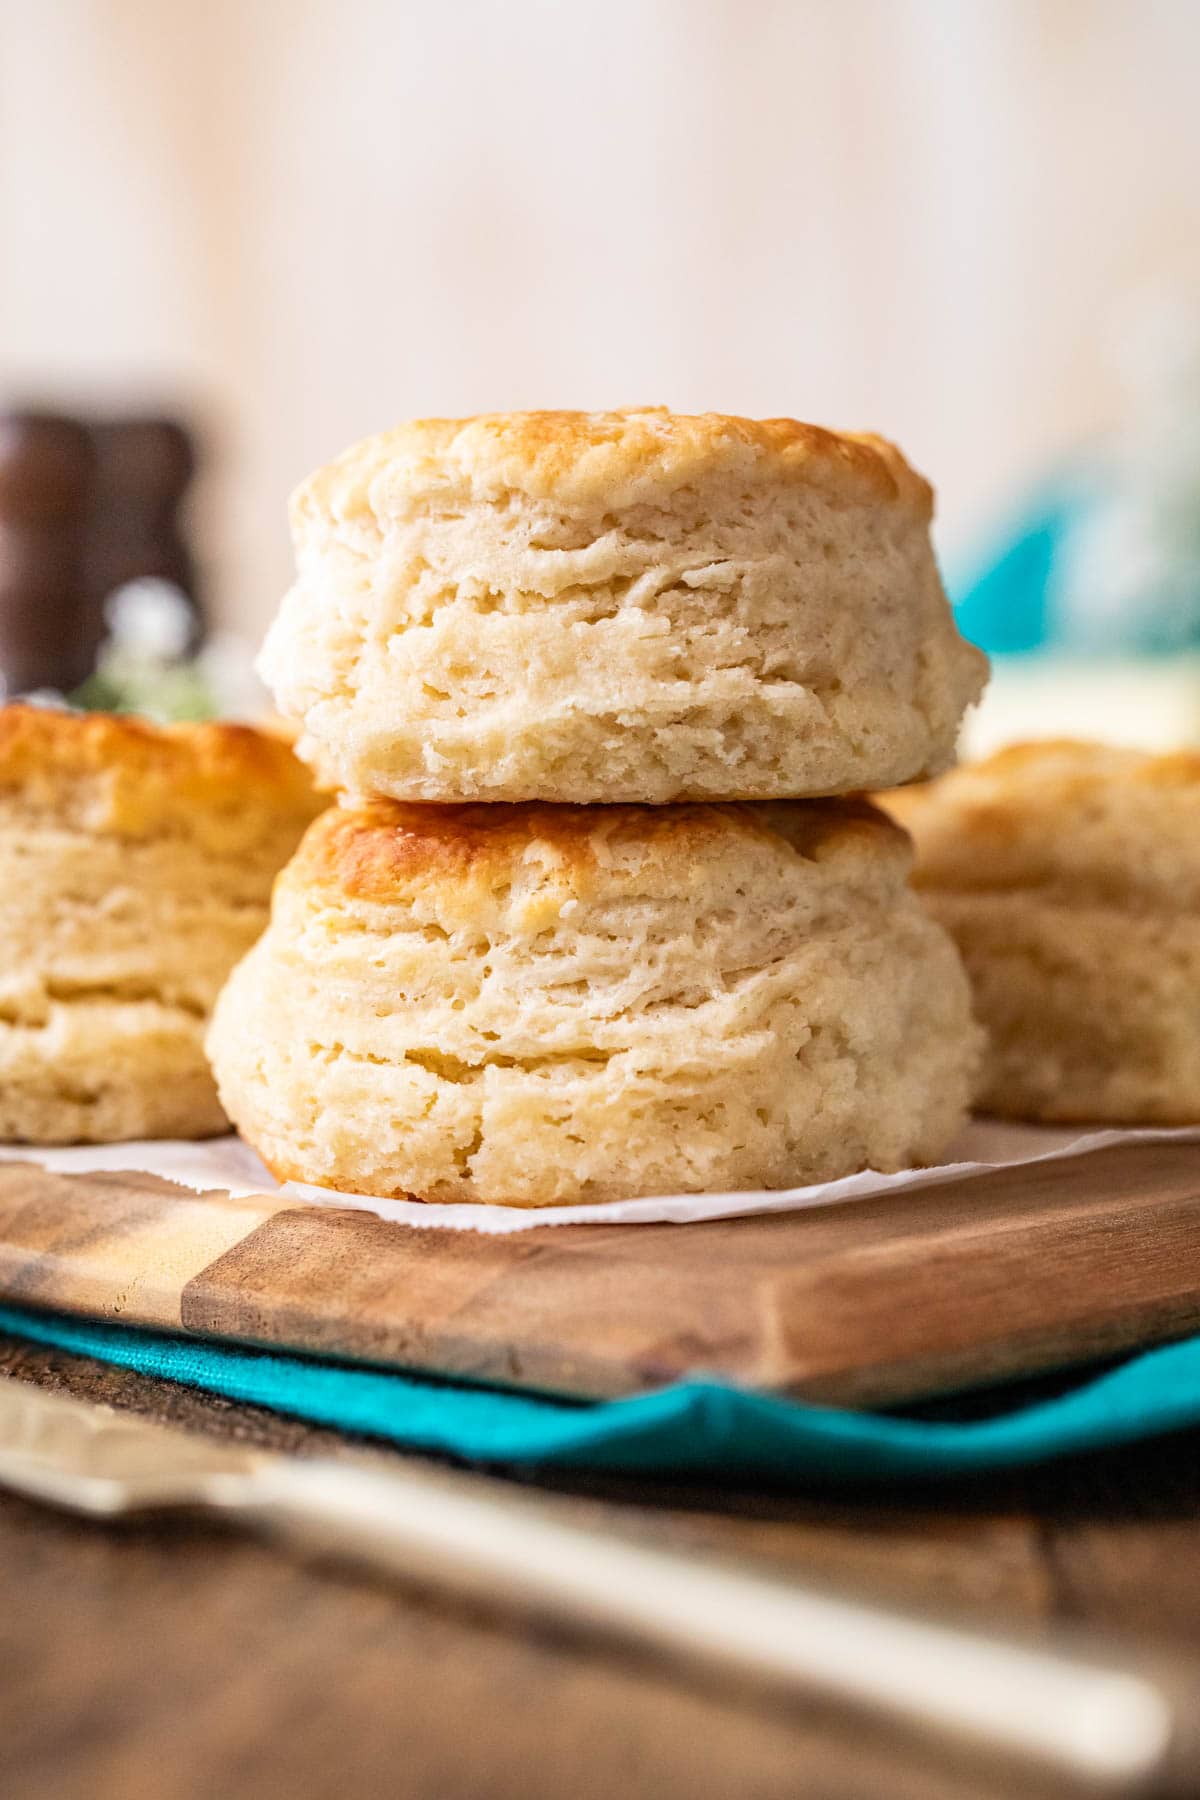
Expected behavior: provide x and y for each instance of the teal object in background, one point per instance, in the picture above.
(1005, 607)
(699, 1428)
(1089, 568)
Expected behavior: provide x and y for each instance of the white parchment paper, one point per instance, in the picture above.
(228, 1163)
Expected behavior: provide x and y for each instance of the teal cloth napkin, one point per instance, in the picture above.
(695, 1428)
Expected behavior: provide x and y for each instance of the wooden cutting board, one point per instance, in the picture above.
(910, 1295)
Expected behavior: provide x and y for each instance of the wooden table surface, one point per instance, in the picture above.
(175, 1663)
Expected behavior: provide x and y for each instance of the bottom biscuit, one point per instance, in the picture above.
(539, 1005)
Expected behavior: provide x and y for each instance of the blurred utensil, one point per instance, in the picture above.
(1109, 1723)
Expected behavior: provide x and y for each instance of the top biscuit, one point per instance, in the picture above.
(1078, 822)
(611, 458)
(627, 606)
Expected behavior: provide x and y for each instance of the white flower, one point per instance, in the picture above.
(150, 619)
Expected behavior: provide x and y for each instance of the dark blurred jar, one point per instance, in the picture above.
(144, 467)
(49, 633)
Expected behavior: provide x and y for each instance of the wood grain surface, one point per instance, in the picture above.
(899, 1297)
(177, 1663)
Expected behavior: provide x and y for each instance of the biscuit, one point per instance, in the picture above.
(628, 606)
(536, 1005)
(1069, 875)
(136, 864)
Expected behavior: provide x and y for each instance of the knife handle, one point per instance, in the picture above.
(1110, 1726)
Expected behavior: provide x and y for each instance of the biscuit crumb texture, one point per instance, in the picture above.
(539, 1005)
(135, 869)
(1069, 876)
(632, 606)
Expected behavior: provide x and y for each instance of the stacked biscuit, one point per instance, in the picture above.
(592, 917)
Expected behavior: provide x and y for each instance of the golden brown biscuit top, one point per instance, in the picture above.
(1089, 820)
(617, 458)
(128, 777)
(386, 848)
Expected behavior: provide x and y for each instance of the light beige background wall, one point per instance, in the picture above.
(314, 217)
